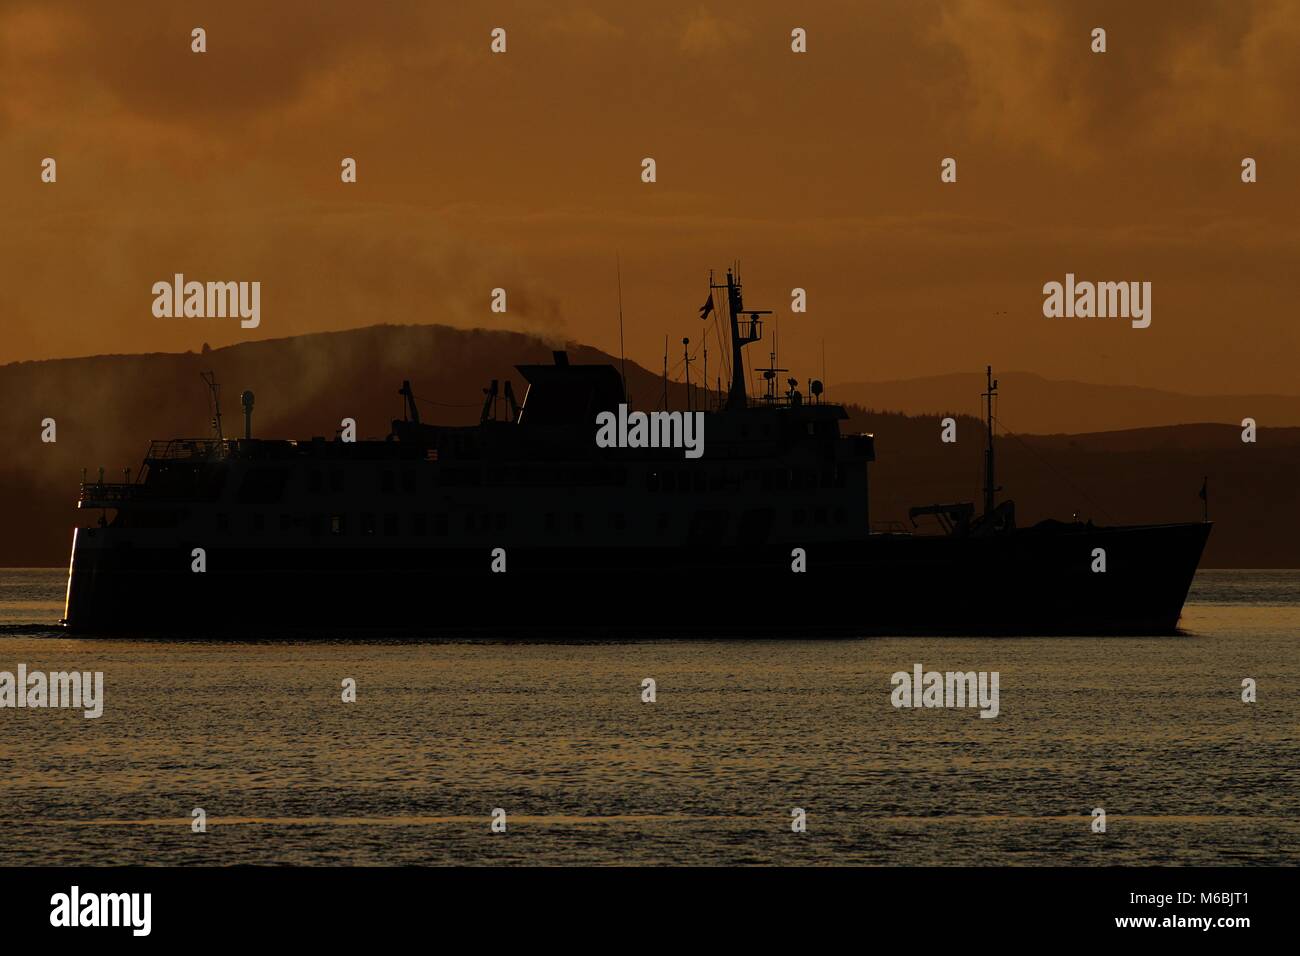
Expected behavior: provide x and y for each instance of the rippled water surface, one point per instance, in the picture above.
(1152, 730)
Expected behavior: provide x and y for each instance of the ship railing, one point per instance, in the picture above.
(892, 526)
(108, 492)
(783, 400)
(111, 494)
(174, 449)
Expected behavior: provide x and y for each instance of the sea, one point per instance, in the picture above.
(1105, 751)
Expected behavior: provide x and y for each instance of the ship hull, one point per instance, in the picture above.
(1027, 582)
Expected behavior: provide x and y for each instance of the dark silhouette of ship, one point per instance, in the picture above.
(524, 521)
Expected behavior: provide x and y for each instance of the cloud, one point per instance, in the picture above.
(705, 34)
(1027, 78)
(584, 23)
(522, 171)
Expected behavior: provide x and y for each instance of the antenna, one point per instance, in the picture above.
(705, 376)
(411, 413)
(989, 488)
(823, 362)
(686, 357)
(214, 402)
(622, 355)
(247, 401)
(665, 373)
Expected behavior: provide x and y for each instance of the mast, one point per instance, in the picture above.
(705, 376)
(665, 373)
(214, 391)
(989, 488)
(823, 363)
(411, 412)
(686, 357)
(742, 333)
(622, 354)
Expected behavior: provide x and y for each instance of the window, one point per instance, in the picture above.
(262, 485)
(440, 525)
(337, 524)
(368, 523)
(390, 524)
(420, 524)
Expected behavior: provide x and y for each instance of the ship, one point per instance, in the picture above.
(526, 524)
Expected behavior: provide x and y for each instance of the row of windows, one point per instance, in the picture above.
(418, 524)
(421, 524)
(770, 479)
(318, 481)
(406, 481)
(365, 524)
(682, 480)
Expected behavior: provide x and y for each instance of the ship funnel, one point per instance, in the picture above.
(247, 401)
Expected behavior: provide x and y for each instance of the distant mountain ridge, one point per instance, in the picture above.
(1031, 404)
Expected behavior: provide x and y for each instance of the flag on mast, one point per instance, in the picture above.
(707, 307)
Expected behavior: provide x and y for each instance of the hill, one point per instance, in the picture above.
(108, 407)
(1031, 404)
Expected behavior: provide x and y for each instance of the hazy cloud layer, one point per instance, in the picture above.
(522, 171)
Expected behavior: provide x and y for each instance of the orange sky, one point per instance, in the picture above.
(522, 170)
